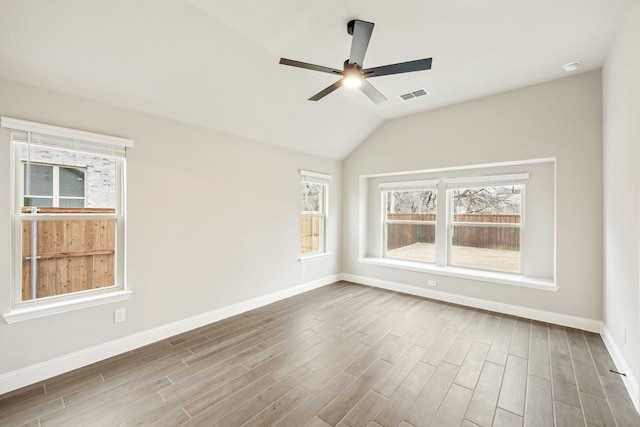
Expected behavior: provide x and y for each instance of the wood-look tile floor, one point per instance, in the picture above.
(345, 355)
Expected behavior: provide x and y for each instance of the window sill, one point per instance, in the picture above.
(465, 273)
(42, 310)
(313, 257)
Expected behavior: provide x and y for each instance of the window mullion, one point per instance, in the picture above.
(56, 186)
(442, 221)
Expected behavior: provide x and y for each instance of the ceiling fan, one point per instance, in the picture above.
(352, 73)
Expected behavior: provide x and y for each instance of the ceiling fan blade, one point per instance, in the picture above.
(361, 35)
(372, 92)
(299, 64)
(326, 91)
(403, 67)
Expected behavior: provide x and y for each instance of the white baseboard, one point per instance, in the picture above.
(515, 310)
(32, 374)
(630, 382)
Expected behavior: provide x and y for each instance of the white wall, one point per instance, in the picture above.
(561, 119)
(213, 220)
(621, 107)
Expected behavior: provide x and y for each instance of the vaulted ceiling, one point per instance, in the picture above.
(214, 63)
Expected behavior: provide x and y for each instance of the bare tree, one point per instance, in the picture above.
(310, 194)
(488, 200)
(418, 202)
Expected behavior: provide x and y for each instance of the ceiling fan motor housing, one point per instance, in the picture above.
(350, 67)
(350, 26)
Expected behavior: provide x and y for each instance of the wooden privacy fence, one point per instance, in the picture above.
(505, 238)
(72, 255)
(400, 235)
(310, 234)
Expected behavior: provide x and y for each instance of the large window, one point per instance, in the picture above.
(68, 210)
(486, 227)
(410, 221)
(478, 225)
(314, 188)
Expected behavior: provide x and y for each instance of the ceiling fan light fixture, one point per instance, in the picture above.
(352, 78)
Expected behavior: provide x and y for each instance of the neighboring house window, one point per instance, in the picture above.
(53, 185)
(410, 220)
(68, 214)
(480, 224)
(314, 189)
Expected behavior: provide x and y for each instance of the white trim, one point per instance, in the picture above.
(31, 374)
(317, 175)
(630, 382)
(42, 309)
(409, 185)
(514, 310)
(313, 257)
(464, 273)
(41, 128)
(461, 168)
(485, 180)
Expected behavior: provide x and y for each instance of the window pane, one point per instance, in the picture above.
(489, 248)
(38, 180)
(71, 182)
(91, 176)
(503, 200)
(411, 241)
(73, 256)
(311, 233)
(312, 197)
(411, 202)
(71, 203)
(38, 201)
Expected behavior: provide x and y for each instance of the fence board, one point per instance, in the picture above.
(74, 255)
(310, 234)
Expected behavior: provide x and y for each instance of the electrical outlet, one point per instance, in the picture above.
(624, 333)
(303, 270)
(432, 283)
(119, 315)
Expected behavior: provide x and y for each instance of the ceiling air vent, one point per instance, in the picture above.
(416, 93)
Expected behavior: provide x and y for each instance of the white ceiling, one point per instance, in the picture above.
(214, 63)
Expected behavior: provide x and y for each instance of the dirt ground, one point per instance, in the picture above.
(462, 256)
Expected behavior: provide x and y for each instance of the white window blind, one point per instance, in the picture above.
(485, 181)
(34, 133)
(320, 178)
(409, 185)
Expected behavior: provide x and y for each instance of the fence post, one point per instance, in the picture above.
(34, 255)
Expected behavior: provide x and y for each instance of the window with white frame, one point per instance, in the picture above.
(410, 220)
(314, 191)
(486, 225)
(479, 225)
(68, 213)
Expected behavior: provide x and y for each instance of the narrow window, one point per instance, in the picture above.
(486, 227)
(68, 212)
(410, 221)
(314, 188)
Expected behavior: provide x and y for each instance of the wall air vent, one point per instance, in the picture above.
(414, 94)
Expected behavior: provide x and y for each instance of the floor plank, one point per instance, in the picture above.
(424, 408)
(485, 397)
(539, 403)
(512, 392)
